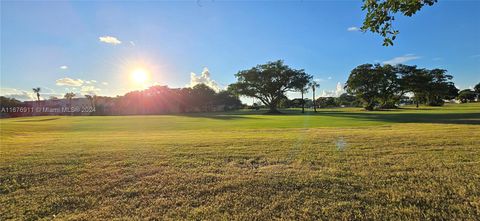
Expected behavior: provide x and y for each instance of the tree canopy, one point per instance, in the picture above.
(384, 86)
(374, 85)
(381, 14)
(477, 90)
(269, 82)
(467, 95)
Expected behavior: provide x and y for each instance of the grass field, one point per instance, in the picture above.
(337, 164)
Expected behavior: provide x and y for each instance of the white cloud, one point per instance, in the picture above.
(105, 83)
(333, 93)
(203, 78)
(27, 95)
(69, 82)
(110, 40)
(329, 78)
(132, 43)
(64, 67)
(401, 59)
(91, 90)
(353, 29)
(17, 94)
(90, 82)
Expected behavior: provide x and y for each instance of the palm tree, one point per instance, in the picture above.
(90, 98)
(303, 91)
(69, 97)
(37, 91)
(314, 85)
(301, 85)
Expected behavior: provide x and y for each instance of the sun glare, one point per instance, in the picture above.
(140, 76)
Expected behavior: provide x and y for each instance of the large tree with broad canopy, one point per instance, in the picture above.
(269, 82)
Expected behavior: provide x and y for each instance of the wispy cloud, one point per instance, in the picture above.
(203, 78)
(353, 28)
(110, 40)
(69, 82)
(105, 83)
(401, 59)
(64, 67)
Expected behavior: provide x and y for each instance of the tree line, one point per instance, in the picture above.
(383, 86)
(372, 86)
(165, 100)
(154, 100)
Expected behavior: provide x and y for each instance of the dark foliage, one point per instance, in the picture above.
(269, 82)
(384, 86)
(466, 95)
(381, 14)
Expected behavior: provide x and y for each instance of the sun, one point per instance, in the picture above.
(140, 75)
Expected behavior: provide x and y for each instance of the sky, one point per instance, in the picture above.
(95, 47)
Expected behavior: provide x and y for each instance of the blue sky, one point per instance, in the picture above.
(56, 45)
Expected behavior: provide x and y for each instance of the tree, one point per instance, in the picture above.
(415, 81)
(363, 84)
(203, 97)
(301, 84)
(428, 86)
(69, 96)
(229, 100)
(267, 82)
(6, 103)
(91, 99)
(467, 95)
(37, 91)
(380, 15)
(375, 85)
(9, 102)
(439, 87)
(477, 90)
(390, 89)
(326, 102)
(314, 85)
(348, 100)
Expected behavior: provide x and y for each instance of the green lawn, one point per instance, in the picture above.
(337, 164)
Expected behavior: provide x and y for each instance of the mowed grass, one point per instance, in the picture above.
(337, 164)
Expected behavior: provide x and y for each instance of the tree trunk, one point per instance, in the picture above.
(314, 101)
(303, 104)
(273, 109)
(416, 102)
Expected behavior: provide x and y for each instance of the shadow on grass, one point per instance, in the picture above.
(394, 116)
(218, 116)
(443, 118)
(39, 120)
